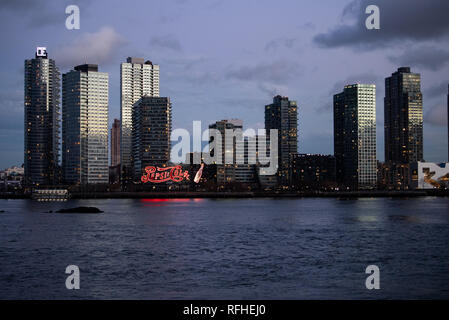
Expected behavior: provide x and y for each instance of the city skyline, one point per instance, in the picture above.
(232, 78)
(85, 136)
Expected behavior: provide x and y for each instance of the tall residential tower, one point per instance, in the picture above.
(403, 117)
(138, 78)
(282, 115)
(355, 136)
(85, 126)
(403, 111)
(152, 123)
(41, 120)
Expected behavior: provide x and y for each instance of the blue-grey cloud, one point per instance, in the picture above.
(275, 44)
(98, 47)
(277, 72)
(166, 42)
(39, 13)
(399, 20)
(426, 57)
(436, 91)
(436, 115)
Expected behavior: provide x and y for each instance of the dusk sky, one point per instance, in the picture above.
(223, 59)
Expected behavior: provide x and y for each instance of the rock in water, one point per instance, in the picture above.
(80, 210)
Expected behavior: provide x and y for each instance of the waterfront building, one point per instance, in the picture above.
(355, 136)
(41, 120)
(115, 143)
(85, 125)
(236, 164)
(403, 113)
(152, 123)
(138, 78)
(313, 172)
(282, 115)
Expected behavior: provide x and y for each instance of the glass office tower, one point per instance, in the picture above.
(355, 136)
(41, 120)
(85, 126)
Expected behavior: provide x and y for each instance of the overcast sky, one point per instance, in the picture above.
(227, 58)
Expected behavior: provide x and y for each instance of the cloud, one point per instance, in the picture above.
(363, 78)
(277, 72)
(437, 115)
(399, 20)
(98, 48)
(39, 13)
(436, 91)
(11, 101)
(426, 57)
(275, 44)
(272, 90)
(166, 42)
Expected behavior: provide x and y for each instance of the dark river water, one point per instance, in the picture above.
(312, 248)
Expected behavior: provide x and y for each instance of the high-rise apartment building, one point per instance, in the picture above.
(403, 117)
(41, 120)
(138, 78)
(225, 151)
(403, 111)
(152, 123)
(85, 126)
(355, 136)
(115, 143)
(282, 115)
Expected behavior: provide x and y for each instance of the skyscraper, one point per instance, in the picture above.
(282, 115)
(403, 111)
(226, 158)
(151, 132)
(403, 117)
(448, 122)
(85, 125)
(115, 143)
(355, 136)
(138, 78)
(41, 120)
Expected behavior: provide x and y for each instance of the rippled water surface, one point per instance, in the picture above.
(312, 248)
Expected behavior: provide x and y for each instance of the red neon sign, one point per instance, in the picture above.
(159, 175)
